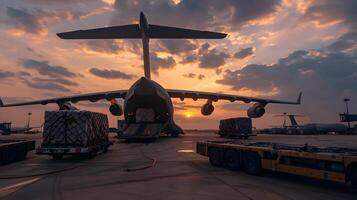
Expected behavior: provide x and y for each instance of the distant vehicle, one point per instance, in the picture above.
(240, 127)
(310, 128)
(7, 129)
(147, 104)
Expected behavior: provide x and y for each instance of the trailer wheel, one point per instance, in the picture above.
(251, 163)
(215, 157)
(57, 156)
(21, 155)
(354, 179)
(232, 159)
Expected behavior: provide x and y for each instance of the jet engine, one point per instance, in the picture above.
(256, 111)
(207, 108)
(115, 109)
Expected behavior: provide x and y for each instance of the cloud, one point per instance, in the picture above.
(324, 76)
(23, 73)
(212, 59)
(44, 68)
(210, 13)
(324, 13)
(201, 76)
(6, 74)
(111, 74)
(346, 42)
(157, 62)
(36, 21)
(178, 46)
(103, 46)
(189, 75)
(243, 53)
(193, 75)
(233, 106)
(60, 81)
(191, 57)
(47, 85)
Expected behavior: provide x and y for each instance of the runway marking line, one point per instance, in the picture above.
(13, 188)
(185, 151)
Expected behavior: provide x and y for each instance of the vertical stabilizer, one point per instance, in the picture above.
(144, 28)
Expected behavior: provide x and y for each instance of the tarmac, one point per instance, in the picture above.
(166, 169)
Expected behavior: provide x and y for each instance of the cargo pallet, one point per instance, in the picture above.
(14, 150)
(331, 163)
(58, 151)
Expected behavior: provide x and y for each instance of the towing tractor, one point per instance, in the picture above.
(330, 163)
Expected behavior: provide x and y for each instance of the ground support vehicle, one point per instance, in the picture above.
(330, 163)
(14, 150)
(240, 127)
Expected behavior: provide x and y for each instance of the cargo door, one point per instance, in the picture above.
(142, 130)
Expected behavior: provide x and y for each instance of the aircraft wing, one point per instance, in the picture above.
(182, 94)
(74, 99)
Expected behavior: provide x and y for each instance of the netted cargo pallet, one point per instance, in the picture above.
(75, 128)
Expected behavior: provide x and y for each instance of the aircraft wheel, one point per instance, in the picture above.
(215, 157)
(232, 159)
(251, 163)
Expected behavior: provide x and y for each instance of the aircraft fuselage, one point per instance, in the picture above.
(147, 102)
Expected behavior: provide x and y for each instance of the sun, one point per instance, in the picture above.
(188, 114)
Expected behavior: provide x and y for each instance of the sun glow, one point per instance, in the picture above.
(188, 114)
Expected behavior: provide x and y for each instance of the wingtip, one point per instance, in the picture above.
(60, 35)
(299, 98)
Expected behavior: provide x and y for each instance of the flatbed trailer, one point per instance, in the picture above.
(15, 150)
(58, 151)
(330, 163)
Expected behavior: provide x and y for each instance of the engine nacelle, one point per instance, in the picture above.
(256, 111)
(207, 109)
(115, 109)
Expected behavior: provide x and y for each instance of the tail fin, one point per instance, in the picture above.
(143, 31)
(1, 103)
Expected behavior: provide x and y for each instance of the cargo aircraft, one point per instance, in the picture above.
(148, 109)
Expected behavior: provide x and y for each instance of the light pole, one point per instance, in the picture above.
(29, 118)
(346, 100)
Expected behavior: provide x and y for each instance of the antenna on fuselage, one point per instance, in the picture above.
(143, 31)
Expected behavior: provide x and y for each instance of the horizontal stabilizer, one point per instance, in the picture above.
(133, 31)
(126, 31)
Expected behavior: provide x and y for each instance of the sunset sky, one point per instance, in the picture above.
(274, 49)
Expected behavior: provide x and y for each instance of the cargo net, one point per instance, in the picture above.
(75, 128)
